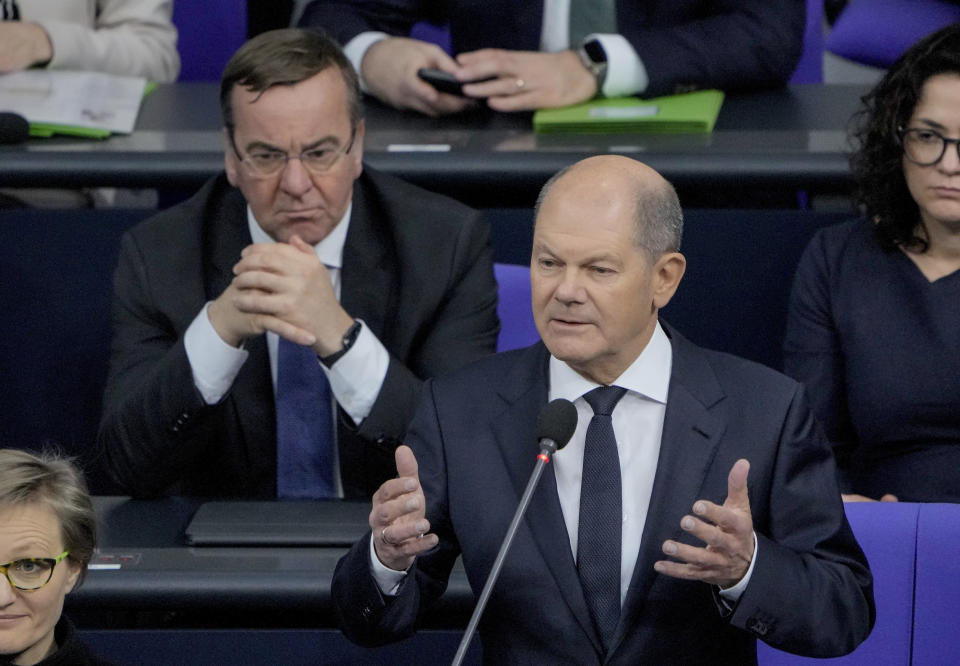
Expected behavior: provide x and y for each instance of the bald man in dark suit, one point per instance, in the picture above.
(725, 525)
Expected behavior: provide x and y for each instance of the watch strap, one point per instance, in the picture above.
(349, 338)
(595, 64)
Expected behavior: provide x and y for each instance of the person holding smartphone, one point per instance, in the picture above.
(523, 56)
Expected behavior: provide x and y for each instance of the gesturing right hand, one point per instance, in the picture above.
(397, 518)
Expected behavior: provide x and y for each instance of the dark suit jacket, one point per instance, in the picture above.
(474, 437)
(417, 268)
(684, 44)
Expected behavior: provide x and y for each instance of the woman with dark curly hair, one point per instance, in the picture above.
(874, 323)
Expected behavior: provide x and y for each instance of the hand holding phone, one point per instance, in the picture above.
(445, 82)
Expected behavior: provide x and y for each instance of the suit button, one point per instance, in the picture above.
(759, 627)
(366, 612)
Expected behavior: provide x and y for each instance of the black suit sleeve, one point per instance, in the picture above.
(811, 591)
(345, 19)
(151, 403)
(684, 44)
(368, 617)
(730, 45)
(463, 329)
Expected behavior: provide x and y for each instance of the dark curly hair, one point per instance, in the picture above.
(877, 162)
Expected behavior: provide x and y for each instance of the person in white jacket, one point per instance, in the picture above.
(132, 37)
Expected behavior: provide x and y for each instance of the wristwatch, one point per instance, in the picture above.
(594, 58)
(348, 339)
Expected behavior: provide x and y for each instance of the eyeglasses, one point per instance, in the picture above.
(925, 147)
(266, 162)
(31, 573)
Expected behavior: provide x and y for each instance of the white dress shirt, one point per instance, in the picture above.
(355, 379)
(626, 73)
(638, 427)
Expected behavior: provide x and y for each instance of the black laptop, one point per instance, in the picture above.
(329, 523)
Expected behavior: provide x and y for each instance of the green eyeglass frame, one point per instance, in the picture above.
(51, 562)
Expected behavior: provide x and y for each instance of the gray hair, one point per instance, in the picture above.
(54, 482)
(658, 217)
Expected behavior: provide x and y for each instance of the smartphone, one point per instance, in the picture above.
(445, 82)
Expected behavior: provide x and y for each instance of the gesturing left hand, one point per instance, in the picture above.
(728, 532)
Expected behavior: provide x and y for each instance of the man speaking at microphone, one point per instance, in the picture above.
(694, 510)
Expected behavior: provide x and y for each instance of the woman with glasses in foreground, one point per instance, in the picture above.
(47, 536)
(874, 323)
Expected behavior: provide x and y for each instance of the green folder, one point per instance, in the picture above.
(689, 112)
(45, 130)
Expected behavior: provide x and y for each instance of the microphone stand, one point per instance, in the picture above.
(547, 448)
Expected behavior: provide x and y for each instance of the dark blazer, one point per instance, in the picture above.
(684, 44)
(417, 268)
(474, 437)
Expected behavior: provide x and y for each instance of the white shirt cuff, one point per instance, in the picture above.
(733, 594)
(213, 362)
(357, 376)
(388, 580)
(357, 47)
(626, 73)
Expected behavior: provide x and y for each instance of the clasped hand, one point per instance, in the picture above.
(283, 288)
(727, 531)
(397, 522)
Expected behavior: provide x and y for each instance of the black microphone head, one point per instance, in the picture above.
(557, 421)
(14, 128)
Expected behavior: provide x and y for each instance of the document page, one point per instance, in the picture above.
(89, 100)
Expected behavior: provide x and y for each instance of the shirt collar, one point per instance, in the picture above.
(329, 250)
(648, 375)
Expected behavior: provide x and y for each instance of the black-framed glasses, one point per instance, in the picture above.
(925, 147)
(31, 573)
(266, 162)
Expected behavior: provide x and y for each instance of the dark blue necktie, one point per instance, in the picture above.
(599, 535)
(305, 426)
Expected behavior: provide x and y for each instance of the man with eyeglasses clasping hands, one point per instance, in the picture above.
(272, 332)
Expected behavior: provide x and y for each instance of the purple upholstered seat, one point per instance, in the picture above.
(936, 622)
(877, 32)
(516, 319)
(887, 532)
(209, 31)
(810, 67)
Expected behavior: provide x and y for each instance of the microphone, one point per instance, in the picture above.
(14, 128)
(555, 426)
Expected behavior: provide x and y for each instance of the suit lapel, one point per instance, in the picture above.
(366, 287)
(691, 433)
(225, 236)
(525, 391)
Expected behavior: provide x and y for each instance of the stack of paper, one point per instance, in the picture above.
(79, 103)
(689, 112)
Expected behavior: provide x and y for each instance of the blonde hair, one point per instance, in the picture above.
(54, 482)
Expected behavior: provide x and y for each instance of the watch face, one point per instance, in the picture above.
(595, 51)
